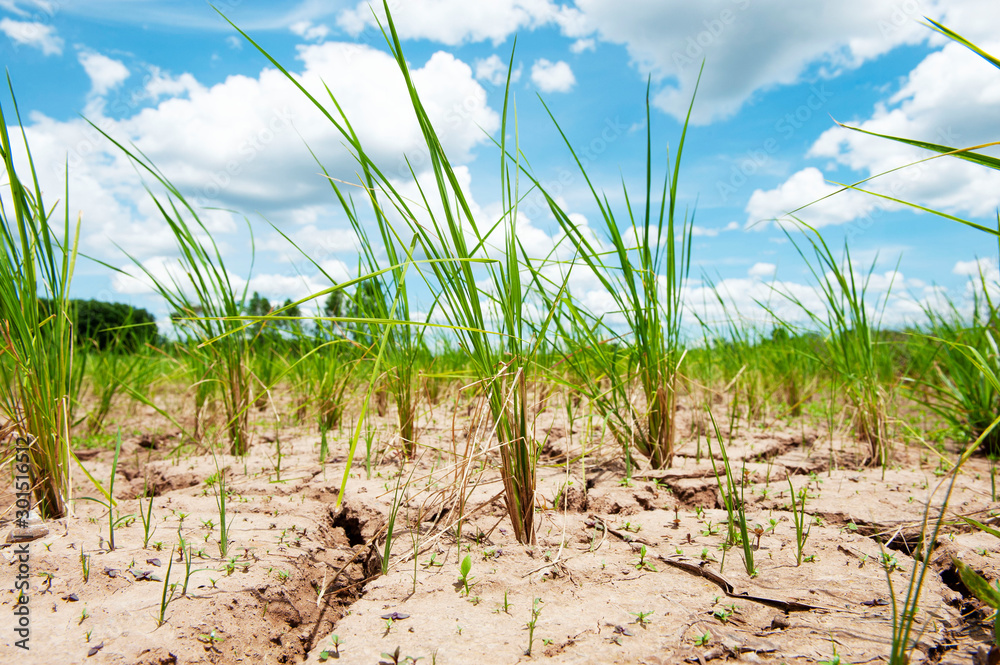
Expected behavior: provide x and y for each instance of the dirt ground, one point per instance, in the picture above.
(623, 571)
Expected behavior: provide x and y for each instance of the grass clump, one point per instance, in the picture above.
(36, 330)
(643, 271)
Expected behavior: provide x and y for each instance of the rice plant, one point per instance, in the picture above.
(851, 338)
(386, 297)
(455, 243)
(207, 305)
(648, 265)
(36, 331)
(957, 388)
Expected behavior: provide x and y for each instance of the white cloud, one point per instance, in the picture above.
(750, 46)
(234, 42)
(552, 76)
(452, 22)
(34, 34)
(307, 30)
(802, 188)
(160, 85)
(987, 268)
(711, 232)
(493, 70)
(581, 45)
(762, 270)
(951, 97)
(239, 144)
(105, 73)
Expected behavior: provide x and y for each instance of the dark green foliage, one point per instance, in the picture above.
(113, 325)
(109, 325)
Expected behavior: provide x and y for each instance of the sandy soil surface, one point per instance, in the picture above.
(621, 571)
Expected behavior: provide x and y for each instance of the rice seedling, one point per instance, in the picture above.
(904, 617)
(799, 518)
(733, 501)
(644, 277)
(85, 565)
(501, 367)
(109, 502)
(957, 390)
(207, 305)
(536, 611)
(221, 495)
(851, 339)
(36, 331)
(165, 599)
(386, 297)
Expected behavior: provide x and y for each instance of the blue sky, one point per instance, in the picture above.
(177, 81)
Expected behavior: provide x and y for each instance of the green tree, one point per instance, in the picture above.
(258, 306)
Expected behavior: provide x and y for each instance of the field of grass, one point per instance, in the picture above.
(506, 476)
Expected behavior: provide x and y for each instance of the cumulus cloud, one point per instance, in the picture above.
(239, 144)
(552, 76)
(762, 270)
(33, 34)
(951, 97)
(711, 232)
(451, 21)
(493, 70)
(307, 30)
(806, 187)
(105, 73)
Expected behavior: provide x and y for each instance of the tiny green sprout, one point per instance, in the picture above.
(158, 545)
(889, 562)
(464, 570)
(703, 639)
(48, 547)
(642, 563)
(210, 638)
(88, 634)
(335, 641)
(48, 580)
(83, 616)
(642, 618)
(536, 610)
(809, 558)
(678, 550)
(506, 604)
(850, 526)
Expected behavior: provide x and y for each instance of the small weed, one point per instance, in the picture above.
(335, 643)
(642, 563)
(642, 618)
(85, 565)
(889, 562)
(464, 570)
(536, 610)
(703, 639)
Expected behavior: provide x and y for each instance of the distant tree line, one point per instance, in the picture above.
(110, 325)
